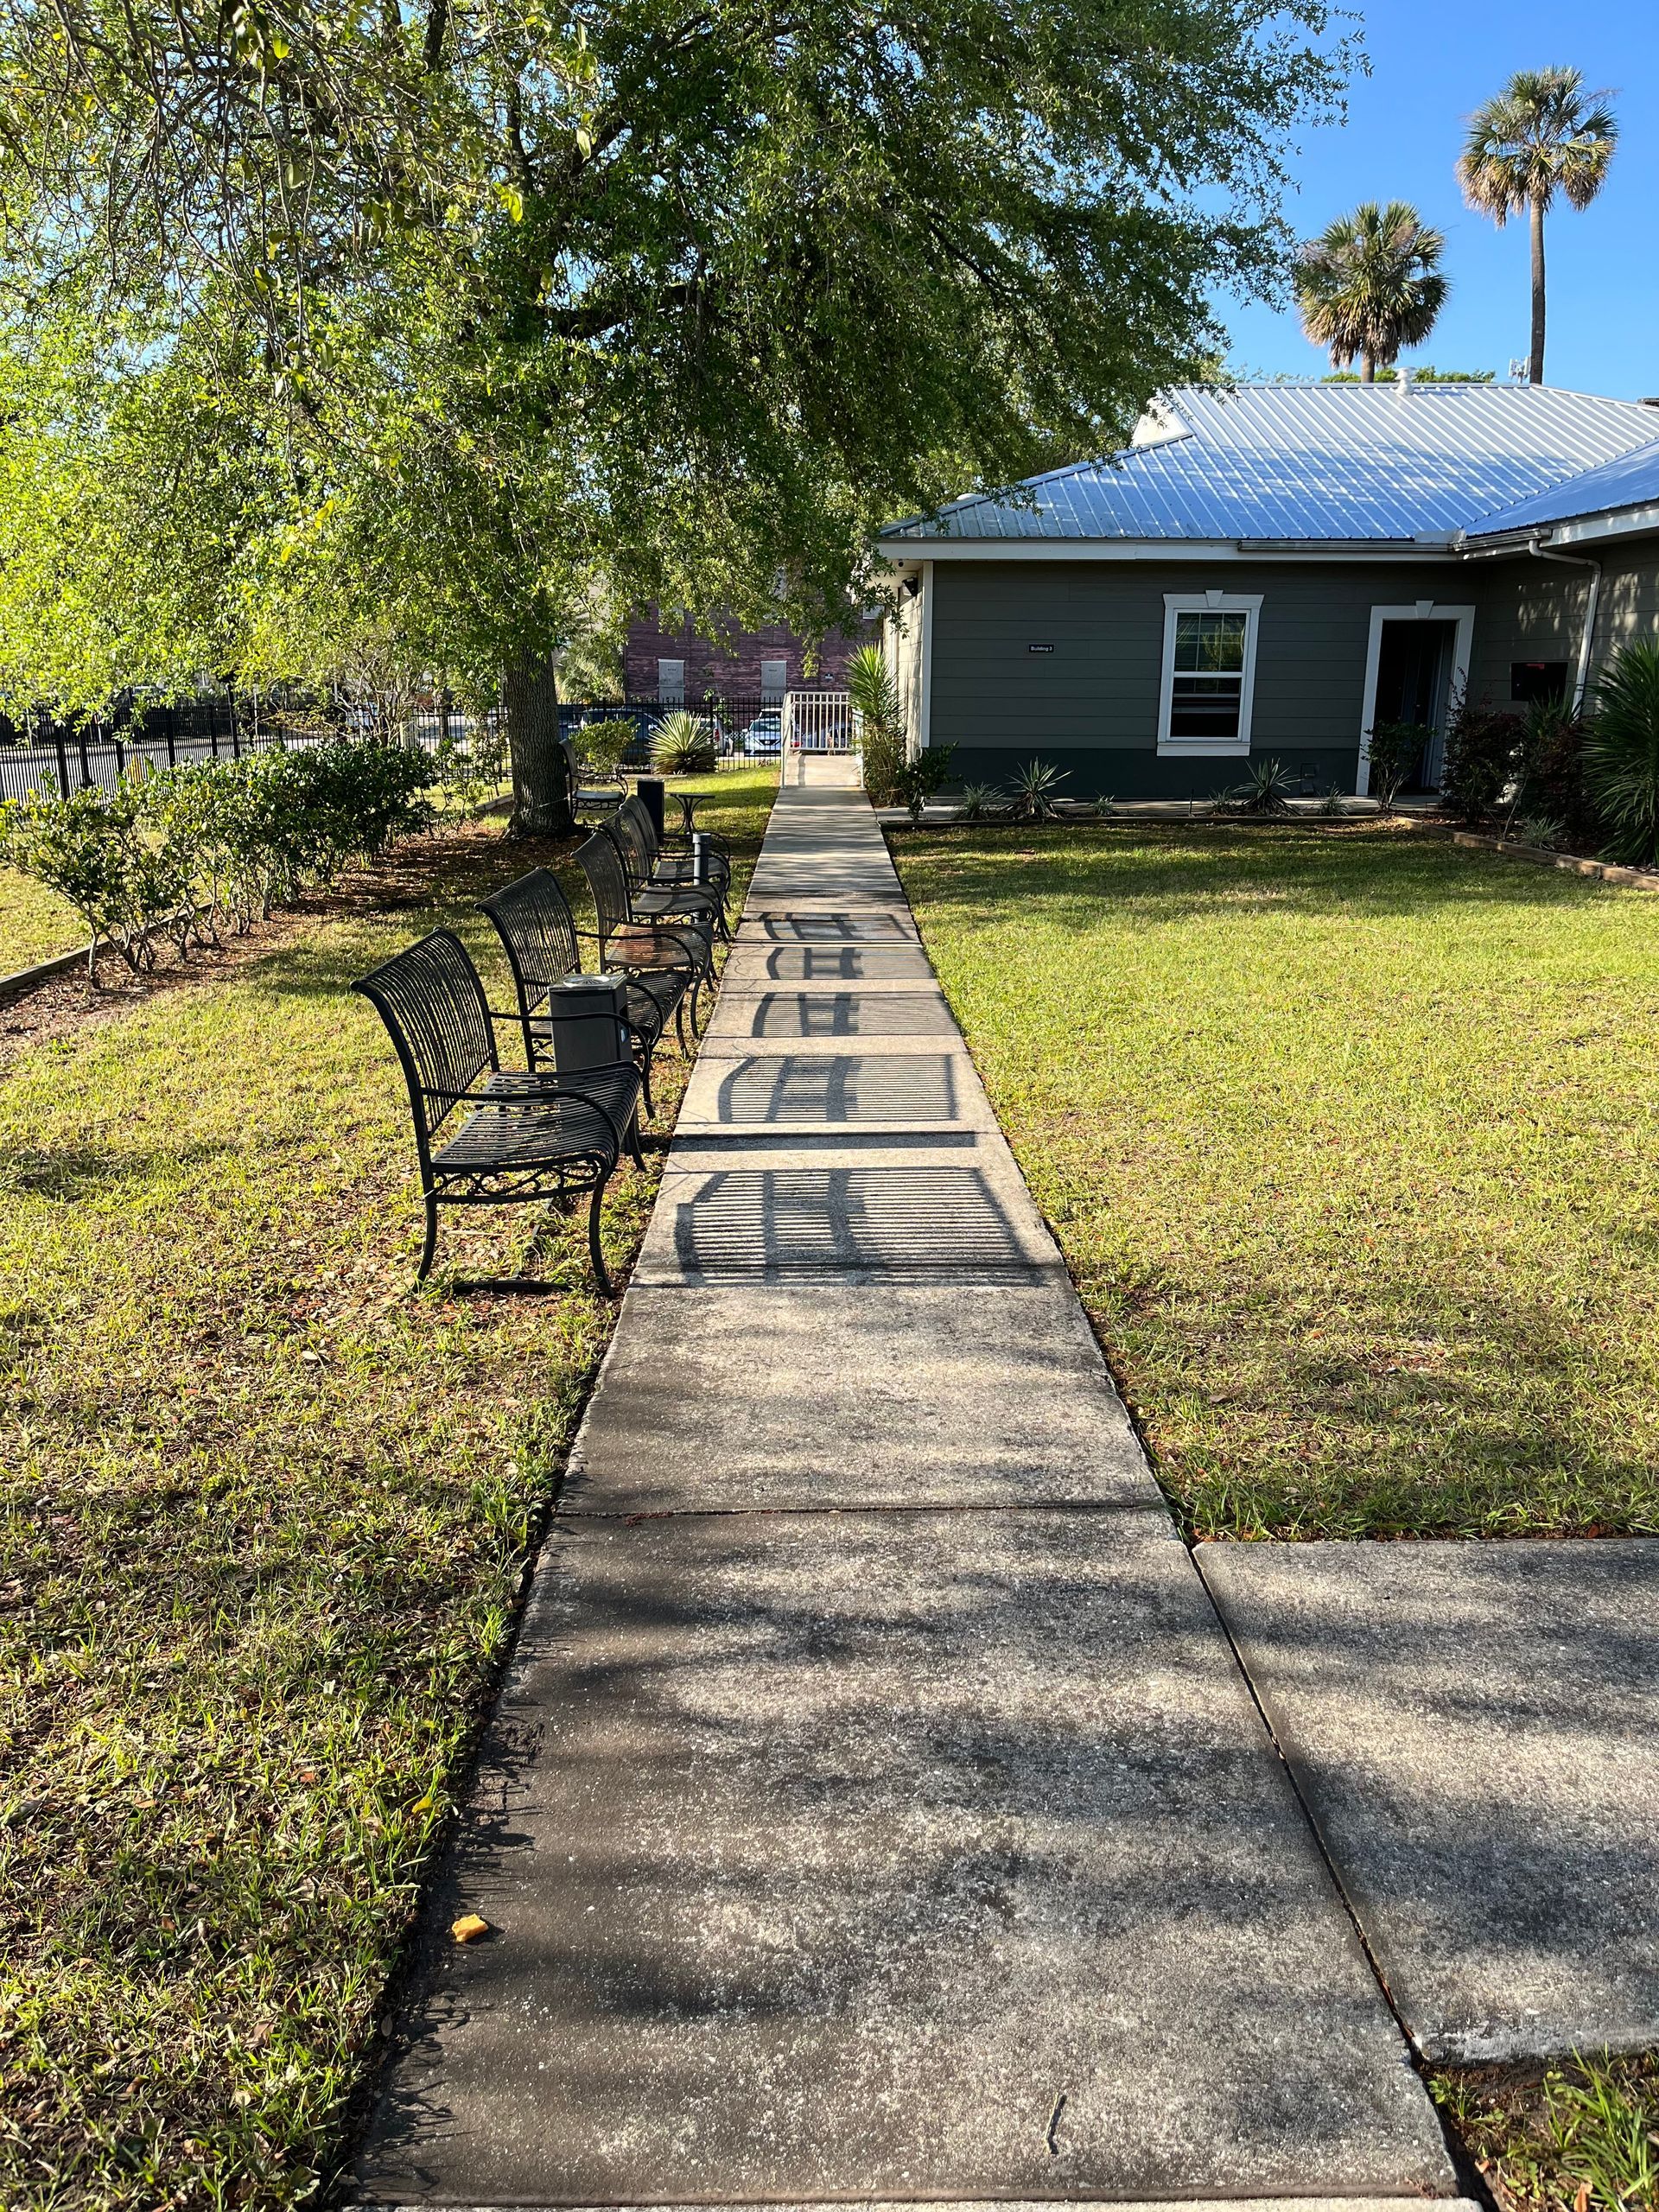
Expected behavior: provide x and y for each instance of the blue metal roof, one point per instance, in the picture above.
(1630, 481)
(1322, 461)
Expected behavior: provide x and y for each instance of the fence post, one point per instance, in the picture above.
(236, 742)
(120, 753)
(63, 765)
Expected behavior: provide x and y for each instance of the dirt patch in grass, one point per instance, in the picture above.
(264, 1522)
(1583, 2138)
(1350, 1141)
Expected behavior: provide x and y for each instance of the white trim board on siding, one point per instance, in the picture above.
(1177, 603)
(924, 686)
(1423, 610)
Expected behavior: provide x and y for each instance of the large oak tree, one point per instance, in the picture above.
(466, 325)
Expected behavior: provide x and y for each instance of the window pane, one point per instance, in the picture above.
(1205, 642)
(1204, 706)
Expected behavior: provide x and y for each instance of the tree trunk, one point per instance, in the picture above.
(541, 788)
(1535, 371)
(1368, 368)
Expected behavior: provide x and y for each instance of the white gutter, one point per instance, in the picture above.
(1581, 678)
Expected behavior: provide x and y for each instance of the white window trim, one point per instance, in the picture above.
(1208, 602)
(1421, 610)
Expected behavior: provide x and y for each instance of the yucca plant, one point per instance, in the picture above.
(1035, 786)
(874, 695)
(978, 800)
(1621, 755)
(683, 745)
(1264, 791)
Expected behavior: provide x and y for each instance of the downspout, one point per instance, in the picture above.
(1581, 679)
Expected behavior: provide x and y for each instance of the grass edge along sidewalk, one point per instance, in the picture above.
(266, 1518)
(1350, 1143)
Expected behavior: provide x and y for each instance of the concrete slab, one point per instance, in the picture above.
(785, 1015)
(925, 1083)
(699, 1404)
(913, 1856)
(755, 965)
(1473, 1725)
(827, 925)
(1032, 2204)
(889, 1217)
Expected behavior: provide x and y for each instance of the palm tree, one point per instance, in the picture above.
(1370, 285)
(1542, 134)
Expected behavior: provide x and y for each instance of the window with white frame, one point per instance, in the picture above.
(1209, 673)
(671, 682)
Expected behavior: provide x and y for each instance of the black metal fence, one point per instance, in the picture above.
(65, 758)
(70, 755)
(744, 729)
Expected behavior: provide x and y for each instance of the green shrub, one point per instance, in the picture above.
(1482, 749)
(1550, 782)
(684, 744)
(919, 779)
(602, 745)
(1620, 758)
(236, 835)
(1396, 749)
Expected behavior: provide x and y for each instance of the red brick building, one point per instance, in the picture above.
(675, 664)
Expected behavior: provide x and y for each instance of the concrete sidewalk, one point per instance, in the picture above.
(875, 1809)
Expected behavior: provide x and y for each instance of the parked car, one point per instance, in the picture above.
(763, 738)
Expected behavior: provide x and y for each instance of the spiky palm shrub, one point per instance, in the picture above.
(1621, 755)
(684, 744)
(874, 694)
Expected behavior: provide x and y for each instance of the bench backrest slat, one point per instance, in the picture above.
(602, 863)
(432, 1002)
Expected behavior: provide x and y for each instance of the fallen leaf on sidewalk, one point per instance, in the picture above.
(470, 1927)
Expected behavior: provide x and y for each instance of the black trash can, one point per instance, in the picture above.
(650, 789)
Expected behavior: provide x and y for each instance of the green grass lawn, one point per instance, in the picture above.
(34, 923)
(1352, 1141)
(266, 1518)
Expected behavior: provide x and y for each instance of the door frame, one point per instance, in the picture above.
(1422, 610)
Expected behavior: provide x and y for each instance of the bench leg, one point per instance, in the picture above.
(600, 1268)
(431, 1244)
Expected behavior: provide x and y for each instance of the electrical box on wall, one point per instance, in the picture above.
(1537, 679)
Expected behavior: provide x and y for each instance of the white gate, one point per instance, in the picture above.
(820, 722)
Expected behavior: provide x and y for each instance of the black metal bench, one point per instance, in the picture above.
(532, 1139)
(656, 896)
(665, 867)
(601, 796)
(539, 936)
(638, 943)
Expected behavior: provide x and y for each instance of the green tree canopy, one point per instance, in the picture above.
(461, 327)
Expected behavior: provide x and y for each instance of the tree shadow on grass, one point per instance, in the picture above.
(1172, 877)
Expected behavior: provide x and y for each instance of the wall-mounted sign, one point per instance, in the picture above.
(1039, 649)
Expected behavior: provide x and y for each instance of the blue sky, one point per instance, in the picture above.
(1431, 66)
